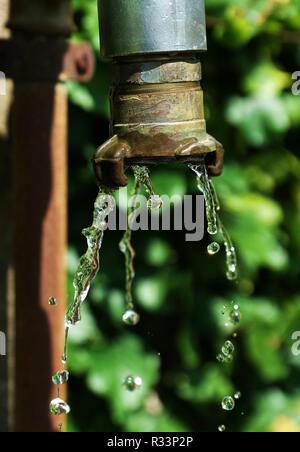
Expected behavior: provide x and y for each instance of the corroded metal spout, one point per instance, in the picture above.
(157, 112)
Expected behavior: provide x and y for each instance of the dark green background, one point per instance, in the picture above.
(179, 290)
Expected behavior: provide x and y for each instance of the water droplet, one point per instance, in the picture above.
(228, 359)
(52, 301)
(222, 428)
(59, 407)
(235, 317)
(212, 229)
(131, 318)
(237, 395)
(232, 275)
(228, 403)
(221, 358)
(204, 186)
(64, 359)
(213, 248)
(132, 383)
(225, 359)
(60, 377)
(103, 225)
(154, 202)
(89, 263)
(228, 348)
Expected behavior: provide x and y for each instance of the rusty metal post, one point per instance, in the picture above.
(6, 301)
(40, 180)
(38, 58)
(39, 140)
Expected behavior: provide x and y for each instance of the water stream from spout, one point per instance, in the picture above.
(90, 262)
(215, 225)
(130, 316)
(87, 270)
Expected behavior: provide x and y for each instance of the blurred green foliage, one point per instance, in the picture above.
(179, 291)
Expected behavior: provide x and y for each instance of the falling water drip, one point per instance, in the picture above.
(234, 315)
(132, 383)
(130, 317)
(231, 257)
(214, 196)
(228, 348)
(142, 178)
(89, 262)
(228, 403)
(215, 225)
(61, 377)
(227, 351)
(52, 301)
(213, 248)
(142, 175)
(238, 395)
(64, 357)
(204, 187)
(59, 407)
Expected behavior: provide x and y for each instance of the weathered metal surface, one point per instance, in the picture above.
(6, 242)
(46, 17)
(114, 156)
(40, 210)
(160, 103)
(157, 117)
(155, 72)
(37, 57)
(46, 59)
(6, 246)
(131, 27)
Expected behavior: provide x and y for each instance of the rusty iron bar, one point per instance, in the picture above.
(40, 197)
(65, 61)
(39, 60)
(6, 301)
(43, 17)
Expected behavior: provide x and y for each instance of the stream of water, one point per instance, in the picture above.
(90, 262)
(214, 223)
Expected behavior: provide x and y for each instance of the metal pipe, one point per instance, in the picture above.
(132, 27)
(157, 110)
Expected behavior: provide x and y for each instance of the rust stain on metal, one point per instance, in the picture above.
(64, 61)
(46, 17)
(37, 57)
(157, 117)
(40, 193)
